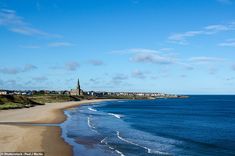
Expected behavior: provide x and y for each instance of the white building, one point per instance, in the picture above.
(3, 92)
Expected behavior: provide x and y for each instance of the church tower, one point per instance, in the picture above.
(77, 91)
(78, 87)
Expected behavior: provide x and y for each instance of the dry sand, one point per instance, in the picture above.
(25, 138)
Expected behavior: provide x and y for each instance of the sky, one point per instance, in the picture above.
(179, 47)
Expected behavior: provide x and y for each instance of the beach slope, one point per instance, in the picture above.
(17, 137)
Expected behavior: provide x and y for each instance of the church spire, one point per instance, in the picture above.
(78, 87)
(78, 84)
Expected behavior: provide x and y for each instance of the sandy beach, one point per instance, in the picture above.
(25, 138)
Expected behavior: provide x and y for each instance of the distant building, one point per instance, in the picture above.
(3, 92)
(96, 93)
(77, 91)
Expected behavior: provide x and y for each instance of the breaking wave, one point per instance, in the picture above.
(90, 124)
(92, 109)
(116, 115)
(146, 148)
(110, 147)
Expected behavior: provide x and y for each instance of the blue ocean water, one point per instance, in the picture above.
(199, 125)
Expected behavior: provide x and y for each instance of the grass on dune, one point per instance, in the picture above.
(50, 98)
(24, 101)
(16, 101)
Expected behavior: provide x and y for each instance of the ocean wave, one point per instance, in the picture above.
(146, 148)
(120, 101)
(121, 154)
(116, 115)
(103, 141)
(92, 109)
(110, 147)
(90, 124)
(68, 115)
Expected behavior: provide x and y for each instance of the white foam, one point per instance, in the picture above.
(92, 109)
(68, 115)
(90, 125)
(121, 154)
(111, 148)
(148, 149)
(159, 152)
(103, 141)
(89, 122)
(121, 138)
(116, 115)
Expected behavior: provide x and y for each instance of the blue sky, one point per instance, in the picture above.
(183, 47)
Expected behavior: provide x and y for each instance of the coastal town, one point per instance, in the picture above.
(99, 94)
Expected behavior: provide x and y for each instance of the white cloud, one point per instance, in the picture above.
(29, 67)
(95, 81)
(228, 43)
(7, 70)
(183, 75)
(118, 79)
(52, 44)
(165, 49)
(38, 6)
(60, 44)
(213, 70)
(225, 1)
(28, 31)
(205, 59)
(139, 74)
(17, 70)
(40, 78)
(137, 50)
(186, 65)
(96, 62)
(170, 61)
(71, 66)
(14, 84)
(233, 67)
(142, 50)
(181, 38)
(151, 56)
(30, 46)
(230, 79)
(15, 23)
(217, 28)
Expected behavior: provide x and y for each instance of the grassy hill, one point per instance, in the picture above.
(16, 101)
(23, 101)
(49, 98)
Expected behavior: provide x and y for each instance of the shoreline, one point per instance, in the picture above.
(27, 138)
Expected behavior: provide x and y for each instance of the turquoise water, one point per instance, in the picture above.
(199, 125)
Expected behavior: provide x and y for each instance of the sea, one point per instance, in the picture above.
(198, 126)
